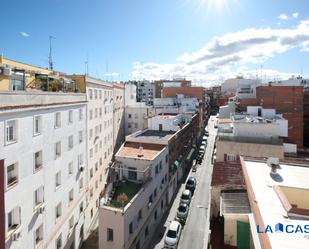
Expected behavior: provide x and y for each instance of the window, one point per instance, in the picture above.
(17, 83)
(70, 168)
(231, 157)
(131, 228)
(11, 131)
(58, 179)
(70, 142)
(157, 169)
(71, 196)
(38, 161)
(110, 234)
(136, 125)
(58, 211)
(57, 149)
(38, 235)
(96, 166)
(155, 193)
(38, 196)
(37, 124)
(11, 175)
(132, 173)
(96, 184)
(13, 218)
(91, 192)
(96, 112)
(80, 160)
(140, 214)
(81, 183)
(80, 136)
(70, 117)
(57, 120)
(90, 93)
(59, 242)
(90, 133)
(100, 94)
(101, 178)
(129, 115)
(91, 153)
(71, 222)
(80, 114)
(101, 162)
(91, 173)
(146, 231)
(155, 215)
(100, 112)
(90, 114)
(95, 94)
(81, 207)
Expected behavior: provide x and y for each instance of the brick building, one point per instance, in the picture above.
(288, 100)
(160, 84)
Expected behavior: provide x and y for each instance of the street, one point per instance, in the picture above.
(195, 231)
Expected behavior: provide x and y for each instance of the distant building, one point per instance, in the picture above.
(145, 91)
(160, 84)
(255, 133)
(119, 112)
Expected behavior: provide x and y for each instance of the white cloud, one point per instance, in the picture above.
(230, 54)
(24, 34)
(295, 14)
(111, 74)
(283, 17)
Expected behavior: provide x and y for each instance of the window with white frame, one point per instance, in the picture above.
(38, 235)
(58, 179)
(38, 196)
(59, 242)
(90, 134)
(96, 112)
(71, 222)
(80, 136)
(58, 149)
(70, 117)
(70, 142)
(58, 211)
(90, 93)
(80, 114)
(13, 218)
(38, 160)
(37, 124)
(11, 131)
(81, 183)
(90, 114)
(11, 175)
(71, 196)
(70, 168)
(95, 94)
(57, 119)
(80, 160)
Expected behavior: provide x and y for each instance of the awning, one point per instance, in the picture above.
(176, 164)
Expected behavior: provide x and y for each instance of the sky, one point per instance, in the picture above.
(206, 41)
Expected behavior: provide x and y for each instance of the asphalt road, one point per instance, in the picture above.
(196, 229)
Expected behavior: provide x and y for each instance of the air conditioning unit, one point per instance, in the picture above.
(149, 205)
(7, 71)
(41, 209)
(16, 235)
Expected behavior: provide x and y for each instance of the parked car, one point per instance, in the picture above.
(206, 133)
(186, 197)
(204, 138)
(204, 143)
(202, 147)
(173, 235)
(182, 212)
(191, 183)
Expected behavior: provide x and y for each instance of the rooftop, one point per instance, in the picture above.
(227, 173)
(235, 202)
(268, 202)
(155, 134)
(146, 151)
(252, 140)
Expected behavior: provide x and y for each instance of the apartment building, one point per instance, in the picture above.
(281, 185)
(145, 92)
(143, 179)
(100, 126)
(119, 112)
(43, 144)
(258, 132)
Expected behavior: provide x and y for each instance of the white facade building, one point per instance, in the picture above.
(43, 143)
(100, 145)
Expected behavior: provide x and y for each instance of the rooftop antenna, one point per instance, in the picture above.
(86, 66)
(51, 66)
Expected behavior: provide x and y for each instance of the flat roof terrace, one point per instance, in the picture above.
(140, 150)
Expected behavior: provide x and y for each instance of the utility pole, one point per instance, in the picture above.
(50, 58)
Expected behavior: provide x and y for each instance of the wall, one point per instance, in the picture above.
(22, 153)
(230, 227)
(135, 117)
(248, 149)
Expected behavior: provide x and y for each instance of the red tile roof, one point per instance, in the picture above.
(228, 173)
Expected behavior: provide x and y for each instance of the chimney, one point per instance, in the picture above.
(140, 151)
(273, 162)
